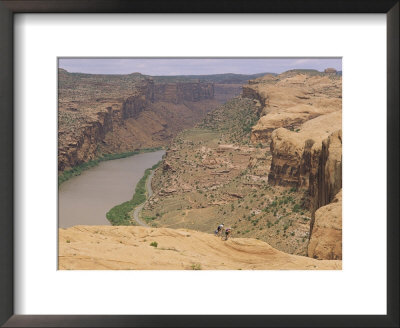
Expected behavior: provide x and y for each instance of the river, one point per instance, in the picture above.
(85, 199)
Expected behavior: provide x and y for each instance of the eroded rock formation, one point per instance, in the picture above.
(117, 113)
(301, 117)
(292, 98)
(326, 237)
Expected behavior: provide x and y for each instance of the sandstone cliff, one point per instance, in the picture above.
(117, 113)
(297, 155)
(292, 98)
(179, 92)
(326, 236)
(301, 118)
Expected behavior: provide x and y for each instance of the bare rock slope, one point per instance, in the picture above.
(129, 248)
(292, 98)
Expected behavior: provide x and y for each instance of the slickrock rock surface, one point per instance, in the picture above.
(326, 236)
(128, 248)
(292, 98)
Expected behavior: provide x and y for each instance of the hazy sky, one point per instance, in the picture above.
(195, 66)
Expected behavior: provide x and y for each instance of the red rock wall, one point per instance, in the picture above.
(83, 148)
(179, 92)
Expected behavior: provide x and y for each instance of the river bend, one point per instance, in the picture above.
(85, 199)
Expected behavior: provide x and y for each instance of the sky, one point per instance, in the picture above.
(194, 66)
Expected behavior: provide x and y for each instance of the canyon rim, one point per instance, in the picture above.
(166, 151)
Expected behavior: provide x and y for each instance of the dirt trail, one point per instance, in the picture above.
(149, 193)
(128, 247)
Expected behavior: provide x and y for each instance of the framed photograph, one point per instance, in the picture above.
(204, 164)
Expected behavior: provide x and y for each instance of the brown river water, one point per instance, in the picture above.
(85, 199)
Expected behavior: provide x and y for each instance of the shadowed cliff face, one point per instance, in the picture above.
(326, 238)
(179, 92)
(117, 113)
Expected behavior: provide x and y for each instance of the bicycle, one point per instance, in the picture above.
(226, 236)
(218, 233)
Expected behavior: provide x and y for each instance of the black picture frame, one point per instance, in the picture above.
(7, 10)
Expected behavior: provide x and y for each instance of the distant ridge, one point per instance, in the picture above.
(217, 78)
(227, 78)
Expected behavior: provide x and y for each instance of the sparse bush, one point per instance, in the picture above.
(154, 244)
(296, 208)
(196, 266)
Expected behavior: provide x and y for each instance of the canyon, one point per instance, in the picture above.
(103, 114)
(265, 163)
(263, 157)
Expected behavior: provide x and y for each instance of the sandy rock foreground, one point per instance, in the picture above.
(128, 248)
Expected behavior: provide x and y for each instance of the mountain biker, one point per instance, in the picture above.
(227, 233)
(219, 229)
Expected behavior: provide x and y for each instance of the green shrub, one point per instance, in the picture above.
(149, 218)
(196, 266)
(154, 244)
(119, 215)
(296, 208)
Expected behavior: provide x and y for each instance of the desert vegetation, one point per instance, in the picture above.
(120, 214)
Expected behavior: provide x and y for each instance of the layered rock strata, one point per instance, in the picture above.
(301, 118)
(292, 98)
(111, 113)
